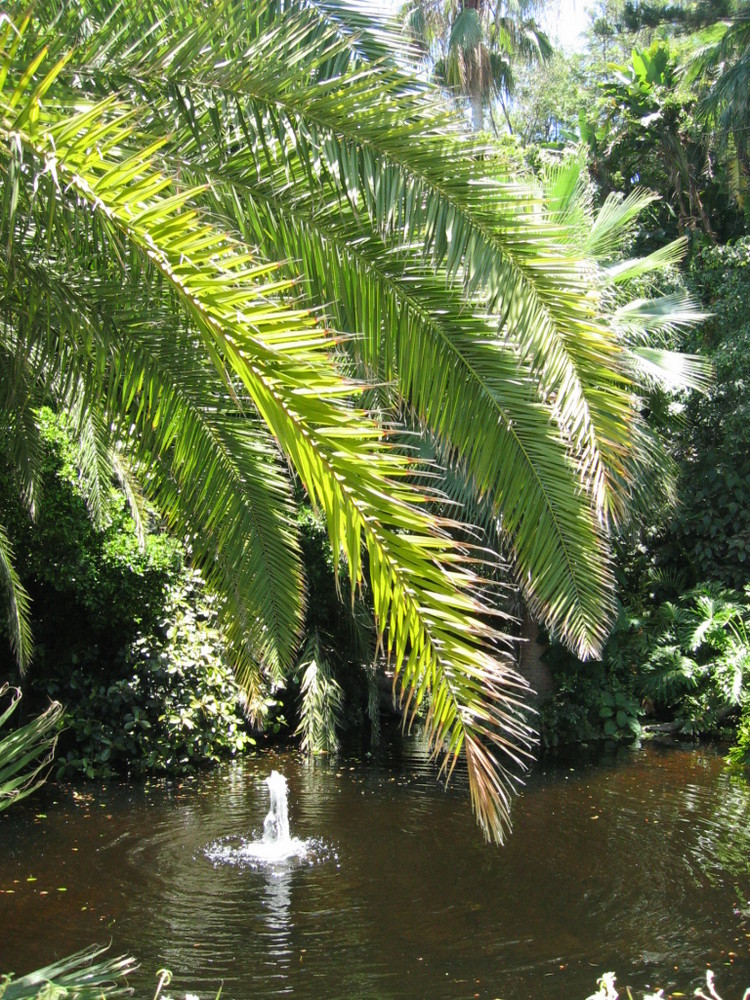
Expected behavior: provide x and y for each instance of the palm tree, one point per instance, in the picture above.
(239, 244)
(474, 44)
(724, 63)
(720, 60)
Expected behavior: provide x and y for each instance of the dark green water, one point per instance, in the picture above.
(637, 862)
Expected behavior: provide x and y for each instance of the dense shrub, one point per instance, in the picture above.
(124, 635)
(93, 588)
(175, 707)
(686, 661)
(739, 753)
(709, 533)
(693, 656)
(591, 701)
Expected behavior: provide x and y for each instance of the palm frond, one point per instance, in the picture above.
(495, 239)
(26, 752)
(19, 396)
(629, 270)
(612, 223)
(132, 490)
(137, 376)
(376, 289)
(321, 701)
(423, 596)
(18, 603)
(91, 437)
(79, 976)
(672, 369)
(667, 313)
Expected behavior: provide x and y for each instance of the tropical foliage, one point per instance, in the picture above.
(322, 701)
(649, 119)
(709, 539)
(96, 578)
(170, 173)
(594, 701)
(716, 67)
(692, 656)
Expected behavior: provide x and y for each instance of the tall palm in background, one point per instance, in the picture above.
(724, 64)
(474, 45)
(241, 246)
(720, 64)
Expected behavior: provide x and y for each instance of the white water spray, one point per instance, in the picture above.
(277, 846)
(276, 823)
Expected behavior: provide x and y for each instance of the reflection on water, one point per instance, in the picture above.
(277, 899)
(637, 861)
(722, 846)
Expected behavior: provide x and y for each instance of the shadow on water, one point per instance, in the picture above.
(637, 862)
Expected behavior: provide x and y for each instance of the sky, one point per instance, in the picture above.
(568, 22)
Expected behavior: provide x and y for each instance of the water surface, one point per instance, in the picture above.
(638, 862)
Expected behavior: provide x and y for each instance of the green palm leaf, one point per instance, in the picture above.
(79, 976)
(27, 751)
(372, 284)
(17, 598)
(171, 172)
(424, 599)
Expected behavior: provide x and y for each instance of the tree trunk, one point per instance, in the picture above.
(531, 664)
(477, 112)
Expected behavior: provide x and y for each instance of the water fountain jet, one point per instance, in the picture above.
(276, 823)
(277, 846)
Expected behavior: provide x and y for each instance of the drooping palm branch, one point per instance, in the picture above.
(725, 57)
(330, 175)
(156, 157)
(723, 64)
(321, 700)
(281, 357)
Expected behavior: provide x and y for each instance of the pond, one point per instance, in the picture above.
(636, 861)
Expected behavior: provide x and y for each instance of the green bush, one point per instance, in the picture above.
(124, 636)
(591, 701)
(685, 660)
(739, 753)
(708, 535)
(93, 588)
(175, 708)
(693, 654)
